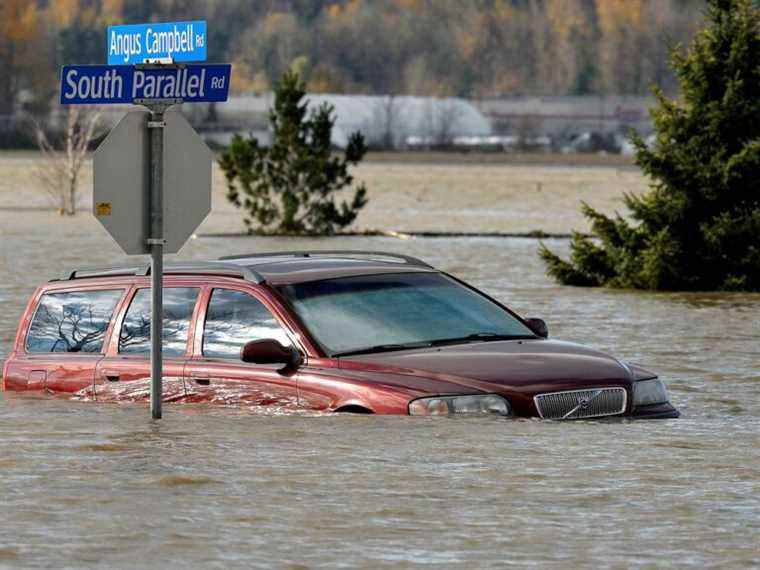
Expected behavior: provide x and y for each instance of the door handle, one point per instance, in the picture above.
(202, 381)
(113, 377)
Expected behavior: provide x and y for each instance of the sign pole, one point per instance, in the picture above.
(156, 243)
(156, 239)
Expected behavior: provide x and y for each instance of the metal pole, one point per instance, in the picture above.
(156, 242)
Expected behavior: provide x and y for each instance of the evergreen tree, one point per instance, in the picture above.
(698, 228)
(289, 187)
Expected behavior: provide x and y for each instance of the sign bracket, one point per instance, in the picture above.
(158, 105)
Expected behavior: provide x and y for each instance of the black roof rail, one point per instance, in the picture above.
(99, 272)
(176, 268)
(347, 252)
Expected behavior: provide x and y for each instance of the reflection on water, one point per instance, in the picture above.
(97, 484)
(181, 391)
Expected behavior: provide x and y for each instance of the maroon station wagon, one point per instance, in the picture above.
(332, 331)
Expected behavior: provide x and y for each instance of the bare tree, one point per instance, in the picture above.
(60, 168)
(447, 117)
(386, 124)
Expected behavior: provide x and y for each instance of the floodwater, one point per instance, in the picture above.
(98, 485)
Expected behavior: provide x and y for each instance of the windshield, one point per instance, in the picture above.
(389, 312)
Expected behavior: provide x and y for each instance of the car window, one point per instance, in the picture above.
(72, 322)
(235, 318)
(178, 302)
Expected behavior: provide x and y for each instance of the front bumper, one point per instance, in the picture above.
(655, 412)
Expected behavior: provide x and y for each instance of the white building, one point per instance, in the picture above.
(382, 120)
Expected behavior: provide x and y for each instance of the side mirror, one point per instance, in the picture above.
(538, 326)
(271, 351)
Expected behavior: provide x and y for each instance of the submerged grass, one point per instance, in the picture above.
(426, 198)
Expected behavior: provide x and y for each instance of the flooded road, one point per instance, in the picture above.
(85, 484)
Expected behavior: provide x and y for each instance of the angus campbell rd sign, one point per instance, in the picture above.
(180, 41)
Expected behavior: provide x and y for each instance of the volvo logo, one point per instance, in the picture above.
(582, 403)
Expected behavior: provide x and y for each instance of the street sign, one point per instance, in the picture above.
(180, 41)
(152, 173)
(121, 197)
(124, 84)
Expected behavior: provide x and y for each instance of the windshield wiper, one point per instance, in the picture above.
(475, 337)
(383, 348)
(481, 336)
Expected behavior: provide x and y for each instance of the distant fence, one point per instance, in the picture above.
(560, 117)
(16, 132)
(560, 124)
(12, 122)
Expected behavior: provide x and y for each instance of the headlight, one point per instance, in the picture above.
(648, 392)
(440, 405)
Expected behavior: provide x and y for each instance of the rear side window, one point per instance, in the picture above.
(235, 318)
(75, 321)
(179, 303)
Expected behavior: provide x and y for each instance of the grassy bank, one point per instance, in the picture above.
(408, 194)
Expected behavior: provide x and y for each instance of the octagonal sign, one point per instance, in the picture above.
(121, 182)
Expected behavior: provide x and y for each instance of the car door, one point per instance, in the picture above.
(233, 317)
(124, 373)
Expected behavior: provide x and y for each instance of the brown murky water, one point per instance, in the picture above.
(84, 484)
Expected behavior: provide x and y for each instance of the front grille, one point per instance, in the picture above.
(576, 404)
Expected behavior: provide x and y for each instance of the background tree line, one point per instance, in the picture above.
(474, 48)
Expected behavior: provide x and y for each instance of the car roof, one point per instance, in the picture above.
(277, 268)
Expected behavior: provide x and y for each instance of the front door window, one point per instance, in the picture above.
(235, 318)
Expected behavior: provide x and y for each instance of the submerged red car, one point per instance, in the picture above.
(334, 331)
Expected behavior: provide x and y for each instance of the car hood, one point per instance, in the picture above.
(519, 369)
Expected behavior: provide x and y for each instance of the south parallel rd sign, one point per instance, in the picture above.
(120, 84)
